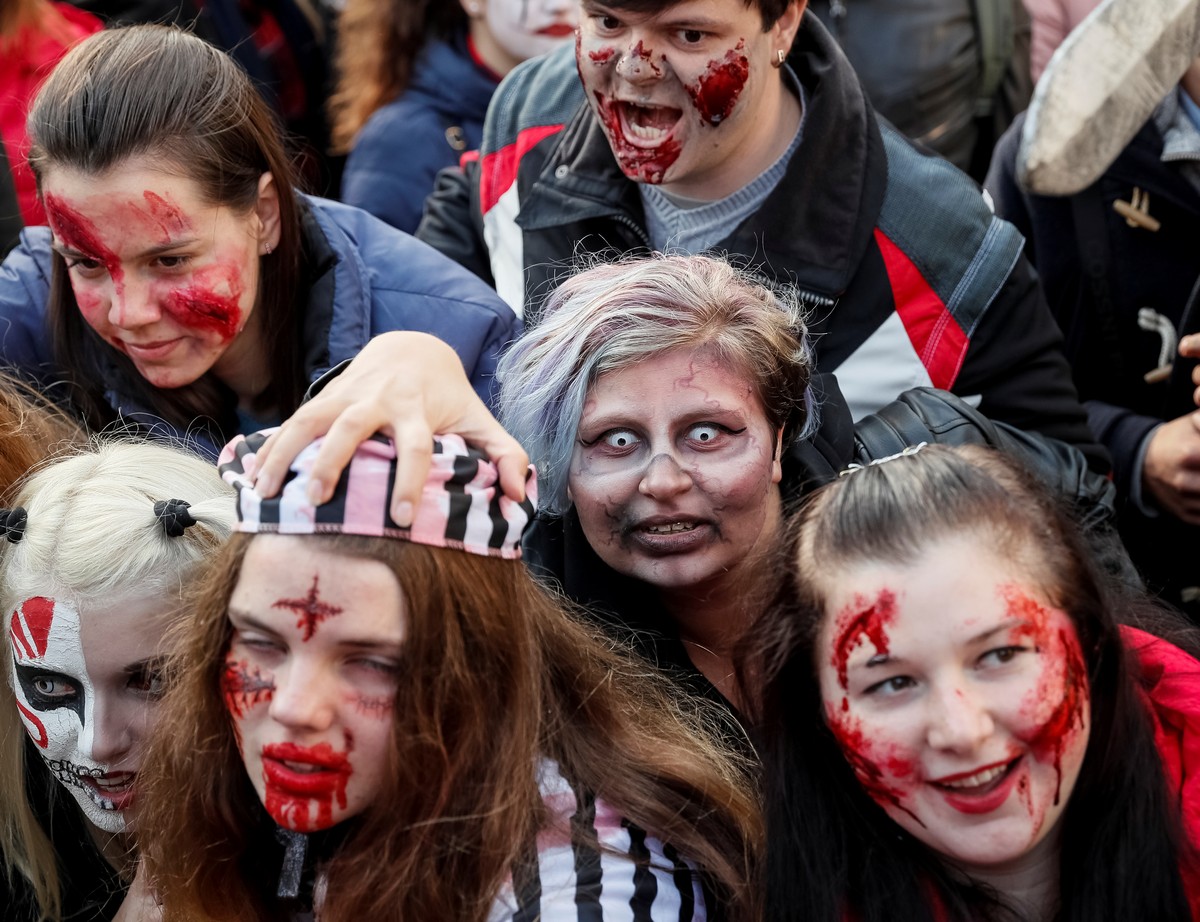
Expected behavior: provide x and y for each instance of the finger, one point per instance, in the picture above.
(512, 463)
(350, 429)
(281, 449)
(1189, 346)
(414, 454)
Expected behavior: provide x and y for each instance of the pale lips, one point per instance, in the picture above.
(647, 126)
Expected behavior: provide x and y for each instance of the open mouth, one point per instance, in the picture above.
(662, 535)
(980, 791)
(647, 126)
(113, 791)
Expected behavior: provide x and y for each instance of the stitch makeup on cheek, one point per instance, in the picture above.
(716, 92)
(1062, 687)
(377, 706)
(297, 778)
(245, 687)
(311, 610)
(200, 307)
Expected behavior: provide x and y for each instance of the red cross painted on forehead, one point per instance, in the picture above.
(311, 609)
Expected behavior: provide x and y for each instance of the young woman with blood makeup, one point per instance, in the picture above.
(955, 726)
(415, 79)
(90, 576)
(184, 284)
(410, 712)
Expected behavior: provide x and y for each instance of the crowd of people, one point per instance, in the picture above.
(603, 460)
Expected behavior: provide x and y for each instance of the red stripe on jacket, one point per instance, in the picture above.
(940, 343)
(498, 170)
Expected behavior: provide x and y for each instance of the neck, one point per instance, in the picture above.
(714, 615)
(1191, 82)
(1028, 884)
(245, 367)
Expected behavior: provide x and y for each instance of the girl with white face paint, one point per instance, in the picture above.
(415, 80)
(99, 548)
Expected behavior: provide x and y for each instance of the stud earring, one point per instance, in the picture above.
(267, 250)
(780, 57)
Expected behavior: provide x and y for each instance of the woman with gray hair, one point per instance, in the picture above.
(657, 399)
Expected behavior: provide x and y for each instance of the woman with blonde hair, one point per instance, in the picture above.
(98, 547)
(376, 722)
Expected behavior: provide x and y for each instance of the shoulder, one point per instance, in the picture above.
(630, 876)
(538, 93)
(936, 219)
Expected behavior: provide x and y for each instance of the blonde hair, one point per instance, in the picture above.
(92, 533)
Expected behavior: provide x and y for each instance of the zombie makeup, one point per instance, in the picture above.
(310, 678)
(688, 96)
(161, 275)
(58, 704)
(674, 472)
(958, 697)
(527, 28)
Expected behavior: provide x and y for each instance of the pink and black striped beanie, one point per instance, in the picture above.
(461, 506)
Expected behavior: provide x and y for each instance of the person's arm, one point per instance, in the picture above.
(408, 386)
(452, 222)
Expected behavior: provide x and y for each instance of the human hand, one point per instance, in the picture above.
(408, 386)
(1189, 348)
(1171, 471)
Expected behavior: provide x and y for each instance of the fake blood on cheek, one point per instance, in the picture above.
(716, 92)
(199, 307)
(877, 772)
(1067, 685)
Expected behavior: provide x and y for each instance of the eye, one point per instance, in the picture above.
(148, 681)
(619, 439)
(890, 686)
(54, 686)
(705, 433)
(173, 262)
(1001, 655)
(86, 267)
(691, 36)
(605, 22)
(387, 668)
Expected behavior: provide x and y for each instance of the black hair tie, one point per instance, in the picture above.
(12, 524)
(173, 516)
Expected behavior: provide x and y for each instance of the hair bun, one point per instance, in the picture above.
(12, 524)
(173, 516)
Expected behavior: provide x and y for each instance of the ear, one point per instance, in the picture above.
(267, 211)
(777, 462)
(473, 8)
(783, 33)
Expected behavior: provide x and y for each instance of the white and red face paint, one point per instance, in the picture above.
(310, 678)
(688, 96)
(958, 697)
(58, 704)
(526, 28)
(161, 275)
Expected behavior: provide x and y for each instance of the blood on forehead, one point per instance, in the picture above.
(310, 609)
(862, 619)
(76, 232)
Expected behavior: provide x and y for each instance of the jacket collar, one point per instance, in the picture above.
(818, 222)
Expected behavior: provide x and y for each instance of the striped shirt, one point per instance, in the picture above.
(562, 878)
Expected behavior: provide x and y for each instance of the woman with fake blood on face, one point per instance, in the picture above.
(414, 81)
(956, 727)
(189, 282)
(442, 737)
(658, 399)
(89, 579)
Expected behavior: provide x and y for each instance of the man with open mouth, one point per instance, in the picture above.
(737, 126)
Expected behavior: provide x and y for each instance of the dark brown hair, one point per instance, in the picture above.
(162, 93)
(495, 674)
(378, 44)
(771, 10)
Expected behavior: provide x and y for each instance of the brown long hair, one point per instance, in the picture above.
(161, 92)
(495, 675)
(378, 43)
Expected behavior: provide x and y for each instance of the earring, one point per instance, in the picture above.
(472, 9)
(780, 57)
(267, 250)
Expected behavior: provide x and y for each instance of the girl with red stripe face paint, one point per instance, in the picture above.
(436, 738)
(91, 580)
(951, 695)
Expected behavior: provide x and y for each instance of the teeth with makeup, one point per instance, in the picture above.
(979, 779)
(302, 767)
(671, 528)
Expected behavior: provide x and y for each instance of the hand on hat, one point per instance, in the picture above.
(408, 386)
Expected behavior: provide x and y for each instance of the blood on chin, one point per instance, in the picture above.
(641, 164)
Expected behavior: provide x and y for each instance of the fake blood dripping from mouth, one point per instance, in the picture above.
(716, 92)
(641, 164)
(1069, 686)
(298, 778)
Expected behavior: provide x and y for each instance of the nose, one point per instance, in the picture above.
(563, 6)
(637, 64)
(303, 698)
(133, 304)
(958, 720)
(109, 735)
(664, 478)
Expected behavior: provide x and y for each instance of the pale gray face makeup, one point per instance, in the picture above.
(86, 687)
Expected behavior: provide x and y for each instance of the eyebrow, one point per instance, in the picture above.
(883, 659)
(68, 251)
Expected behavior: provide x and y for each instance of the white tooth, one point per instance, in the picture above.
(979, 779)
(647, 132)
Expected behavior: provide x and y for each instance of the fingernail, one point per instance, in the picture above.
(316, 492)
(402, 514)
(265, 486)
